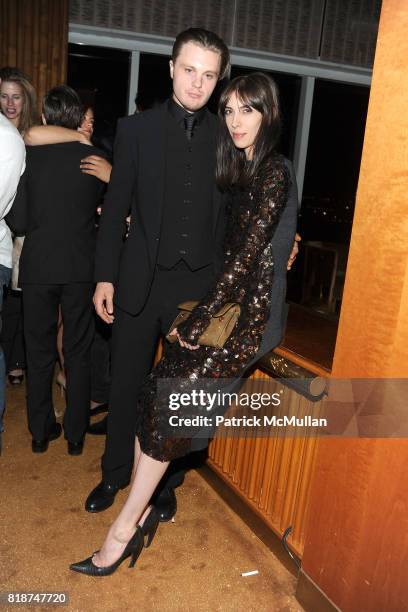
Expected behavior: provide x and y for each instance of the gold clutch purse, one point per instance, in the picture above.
(219, 328)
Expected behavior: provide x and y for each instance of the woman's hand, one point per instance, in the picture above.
(83, 138)
(97, 166)
(191, 347)
(86, 132)
(295, 251)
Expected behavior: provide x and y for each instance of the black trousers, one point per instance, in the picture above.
(40, 307)
(12, 332)
(100, 361)
(134, 342)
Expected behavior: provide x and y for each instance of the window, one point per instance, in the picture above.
(155, 84)
(101, 77)
(331, 176)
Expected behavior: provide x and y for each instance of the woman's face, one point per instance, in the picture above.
(243, 123)
(11, 101)
(87, 125)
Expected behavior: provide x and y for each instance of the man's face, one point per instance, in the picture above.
(195, 74)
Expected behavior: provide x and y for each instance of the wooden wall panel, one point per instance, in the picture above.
(271, 474)
(356, 548)
(34, 38)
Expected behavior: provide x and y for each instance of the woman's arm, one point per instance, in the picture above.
(52, 134)
(272, 196)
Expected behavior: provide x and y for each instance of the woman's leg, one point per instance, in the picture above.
(138, 452)
(147, 474)
(61, 378)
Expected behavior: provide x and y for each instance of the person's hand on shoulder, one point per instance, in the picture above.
(83, 138)
(97, 166)
(86, 133)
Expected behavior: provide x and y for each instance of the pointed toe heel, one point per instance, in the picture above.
(133, 549)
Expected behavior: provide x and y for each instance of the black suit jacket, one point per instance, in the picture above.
(137, 187)
(55, 209)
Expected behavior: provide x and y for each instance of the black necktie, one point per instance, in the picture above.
(189, 121)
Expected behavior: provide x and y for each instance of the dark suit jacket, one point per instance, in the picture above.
(55, 208)
(137, 186)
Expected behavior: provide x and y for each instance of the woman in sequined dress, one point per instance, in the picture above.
(258, 181)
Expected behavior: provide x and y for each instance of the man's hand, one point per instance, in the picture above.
(103, 301)
(97, 166)
(295, 251)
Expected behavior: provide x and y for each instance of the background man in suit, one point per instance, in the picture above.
(164, 173)
(55, 208)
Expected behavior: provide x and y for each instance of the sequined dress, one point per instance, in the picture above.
(246, 277)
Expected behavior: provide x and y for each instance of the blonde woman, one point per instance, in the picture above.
(18, 104)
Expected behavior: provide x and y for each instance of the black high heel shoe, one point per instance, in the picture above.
(133, 549)
(150, 525)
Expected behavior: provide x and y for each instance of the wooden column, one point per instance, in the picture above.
(356, 548)
(34, 38)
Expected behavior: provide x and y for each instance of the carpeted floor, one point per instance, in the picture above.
(194, 563)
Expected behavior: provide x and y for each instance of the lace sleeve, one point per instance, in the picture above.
(270, 195)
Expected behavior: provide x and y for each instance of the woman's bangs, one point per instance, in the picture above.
(246, 94)
(242, 90)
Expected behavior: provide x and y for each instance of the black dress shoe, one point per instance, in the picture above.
(102, 496)
(75, 448)
(133, 549)
(40, 446)
(99, 428)
(166, 505)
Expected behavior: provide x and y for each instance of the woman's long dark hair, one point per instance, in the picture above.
(259, 91)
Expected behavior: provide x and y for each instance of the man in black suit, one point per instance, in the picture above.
(163, 174)
(55, 208)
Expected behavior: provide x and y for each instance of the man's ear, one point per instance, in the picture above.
(44, 122)
(171, 64)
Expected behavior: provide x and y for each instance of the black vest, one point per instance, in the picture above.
(186, 230)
